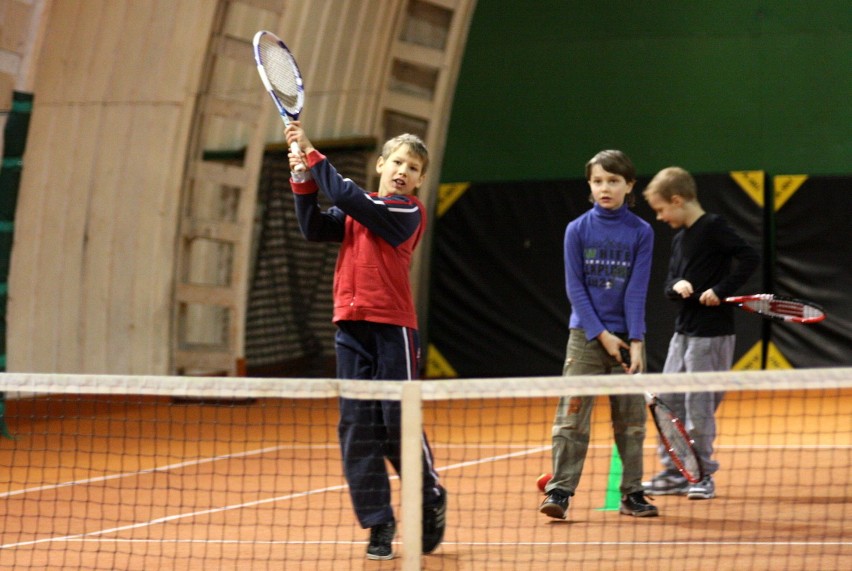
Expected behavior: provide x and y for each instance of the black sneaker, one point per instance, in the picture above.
(634, 504)
(381, 539)
(434, 522)
(555, 505)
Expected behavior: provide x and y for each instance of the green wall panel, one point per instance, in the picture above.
(709, 86)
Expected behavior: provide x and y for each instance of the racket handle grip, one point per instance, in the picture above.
(294, 148)
(625, 355)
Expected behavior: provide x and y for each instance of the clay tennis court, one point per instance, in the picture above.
(129, 483)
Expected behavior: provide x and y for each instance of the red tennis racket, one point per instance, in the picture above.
(675, 439)
(779, 308)
(673, 434)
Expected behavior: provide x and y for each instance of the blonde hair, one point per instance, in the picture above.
(416, 147)
(670, 182)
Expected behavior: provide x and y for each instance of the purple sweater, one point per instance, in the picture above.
(607, 268)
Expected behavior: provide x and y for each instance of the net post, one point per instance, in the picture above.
(412, 474)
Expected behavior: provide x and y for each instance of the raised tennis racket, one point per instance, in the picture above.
(779, 308)
(673, 434)
(281, 77)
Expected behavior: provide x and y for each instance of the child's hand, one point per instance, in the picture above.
(617, 349)
(637, 358)
(709, 297)
(296, 161)
(684, 288)
(294, 133)
(632, 359)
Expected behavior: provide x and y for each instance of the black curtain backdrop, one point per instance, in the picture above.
(498, 305)
(814, 261)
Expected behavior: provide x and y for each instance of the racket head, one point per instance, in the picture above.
(779, 307)
(676, 440)
(280, 73)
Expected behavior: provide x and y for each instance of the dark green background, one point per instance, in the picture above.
(711, 86)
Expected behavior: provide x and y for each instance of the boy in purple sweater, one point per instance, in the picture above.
(608, 254)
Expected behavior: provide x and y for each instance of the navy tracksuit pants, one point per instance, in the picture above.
(370, 430)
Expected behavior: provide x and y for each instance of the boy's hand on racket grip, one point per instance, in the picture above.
(631, 365)
(626, 361)
(709, 298)
(293, 133)
(297, 161)
(612, 345)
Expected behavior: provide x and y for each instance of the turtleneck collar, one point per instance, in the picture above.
(611, 214)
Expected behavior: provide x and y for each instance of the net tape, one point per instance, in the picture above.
(521, 387)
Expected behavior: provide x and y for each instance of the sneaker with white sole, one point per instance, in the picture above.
(703, 490)
(381, 541)
(635, 505)
(666, 484)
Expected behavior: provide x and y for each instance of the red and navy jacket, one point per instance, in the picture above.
(378, 236)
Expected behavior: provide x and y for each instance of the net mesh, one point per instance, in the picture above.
(113, 472)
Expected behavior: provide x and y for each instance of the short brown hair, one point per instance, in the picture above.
(416, 147)
(613, 161)
(672, 181)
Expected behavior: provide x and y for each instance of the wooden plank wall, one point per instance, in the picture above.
(220, 197)
(343, 48)
(92, 263)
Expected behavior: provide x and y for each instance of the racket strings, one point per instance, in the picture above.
(809, 312)
(784, 308)
(281, 70)
(677, 443)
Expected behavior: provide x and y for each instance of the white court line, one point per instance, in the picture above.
(524, 447)
(166, 468)
(175, 517)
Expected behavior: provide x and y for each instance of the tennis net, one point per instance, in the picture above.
(135, 472)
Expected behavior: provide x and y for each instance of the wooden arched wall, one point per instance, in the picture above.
(92, 261)
(128, 97)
